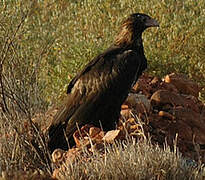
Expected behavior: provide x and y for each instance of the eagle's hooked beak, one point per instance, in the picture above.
(151, 23)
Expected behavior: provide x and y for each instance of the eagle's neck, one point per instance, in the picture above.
(137, 42)
(129, 38)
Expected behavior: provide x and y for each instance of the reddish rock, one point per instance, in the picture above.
(82, 137)
(94, 131)
(183, 84)
(162, 97)
(88, 134)
(166, 110)
(166, 115)
(192, 119)
(143, 85)
(168, 86)
(139, 102)
(187, 123)
(131, 125)
(165, 97)
(126, 113)
(124, 106)
(191, 102)
(113, 135)
(58, 156)
(155, 81)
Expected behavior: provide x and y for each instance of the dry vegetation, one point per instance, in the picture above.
(131, 160)
(44, 43)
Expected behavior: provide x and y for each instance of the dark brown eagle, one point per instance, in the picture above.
(95, 94)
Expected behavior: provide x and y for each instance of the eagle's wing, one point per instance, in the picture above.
(110, 73)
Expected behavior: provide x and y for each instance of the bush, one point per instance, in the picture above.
(59, 37)
(44, 43)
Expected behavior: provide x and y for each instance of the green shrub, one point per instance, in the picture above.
(65, 35)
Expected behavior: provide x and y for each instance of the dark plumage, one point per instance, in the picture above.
(95, 95)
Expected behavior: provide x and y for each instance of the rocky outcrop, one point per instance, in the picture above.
(166, 110)
(175, 112)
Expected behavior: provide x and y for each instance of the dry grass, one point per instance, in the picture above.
(59, 37)
(131, 160)
(44, 42)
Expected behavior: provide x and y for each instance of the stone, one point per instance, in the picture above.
(94, 131)
(143, 85)
(194, 120)
(162, 97)
(139, 102)
(58, 156)
(162, 110)
(126, 113)
(113, 135)
(80, 136)
(183, 84)
(191, 102)
(166, 115)
(168, 86)
(124, 106)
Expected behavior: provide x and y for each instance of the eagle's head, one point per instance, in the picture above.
(133, 27)
(140, 22)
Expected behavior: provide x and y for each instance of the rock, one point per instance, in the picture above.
(113, 135)
(166, 115)
(183, 84)
(139, 102)
(58, 156)
(168, 86)
(143, 85)
(164, 109)
(155, 81)
(82, 137)
(130, 125)
(126, 113)
(61, 158)
(162, 97)
(191, 102)
(187, 123)
(124, 106)
(94, 131)
(194, 120)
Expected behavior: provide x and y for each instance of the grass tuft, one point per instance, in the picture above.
(42, 46)
(131, 160)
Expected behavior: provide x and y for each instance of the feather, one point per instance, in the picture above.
(95, 94)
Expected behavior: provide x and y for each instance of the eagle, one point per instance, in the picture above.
(96, 93)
